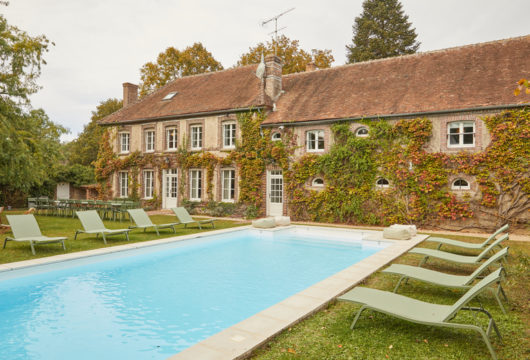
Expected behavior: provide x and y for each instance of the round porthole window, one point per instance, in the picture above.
(382, 183)
(361, 132)
(318, 182)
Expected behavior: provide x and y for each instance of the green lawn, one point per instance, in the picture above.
(327, 334)
(66, 226)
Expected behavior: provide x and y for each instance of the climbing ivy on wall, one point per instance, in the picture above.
(419, 190)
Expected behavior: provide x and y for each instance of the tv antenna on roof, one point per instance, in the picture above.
(275, 19)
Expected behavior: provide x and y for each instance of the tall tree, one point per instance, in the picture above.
(174, 63)
(382, 30)
(84, 149)
(21, 57)
(294, 58)
(29, 140)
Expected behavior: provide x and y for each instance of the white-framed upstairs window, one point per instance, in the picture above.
(315, 140)
(196, 137)
(276, 136)
(461, 134)
(124, 142)
(460, 184)
(171, 138)
(317, 182)
(382, 183)
(149, 184)
(229, 135)
(228, 185)
(195, 185)
(123, 183)
(361, 132)
(149, 140)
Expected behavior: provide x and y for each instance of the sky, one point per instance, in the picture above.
(100, 44)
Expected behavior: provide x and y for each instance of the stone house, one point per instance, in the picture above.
(453, 88)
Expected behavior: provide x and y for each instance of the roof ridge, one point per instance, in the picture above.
(418, 54)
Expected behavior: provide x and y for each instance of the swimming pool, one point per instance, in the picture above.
(153, 302)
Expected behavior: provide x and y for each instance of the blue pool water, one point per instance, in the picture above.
(153, 303)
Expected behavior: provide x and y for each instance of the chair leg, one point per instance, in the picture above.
(5, 242)
(357, 316)
(104, 238)
(399, 283)
(423, 261)
(32, 247)
(64, 247)
(127, 235)
(200, 227)
(157, 232)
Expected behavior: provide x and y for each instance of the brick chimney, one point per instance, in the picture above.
(310, 67)
(130, 94)
(273, 76)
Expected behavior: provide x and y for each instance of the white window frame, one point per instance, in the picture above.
(149, 183)
(195, 184)
(196, 137)
(315, 183)
(149, 140)
(360, 129)
(123, 183)
(125, 145)
(313, 145)
(460, 187)
(171, 132)
(460, 125)
(228, 185)
(382, 186)
(229, 128)
(276, 136)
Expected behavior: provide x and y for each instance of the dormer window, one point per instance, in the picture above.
(170, 95)
(361, 132)
(382, 183)
(460, 184)
(276, 136)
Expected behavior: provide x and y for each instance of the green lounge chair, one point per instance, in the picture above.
(467, 245)
(142, 220)
(185, 218)
(25, 228)
(425, 313)
(463, 259)
(92, 224)
(448, 280)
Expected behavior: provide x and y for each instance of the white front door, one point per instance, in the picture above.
(170, 185)
(274, 193)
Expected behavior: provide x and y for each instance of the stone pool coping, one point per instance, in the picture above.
(239, 340)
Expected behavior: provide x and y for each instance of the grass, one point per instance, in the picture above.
(327, 334)
(66, 226)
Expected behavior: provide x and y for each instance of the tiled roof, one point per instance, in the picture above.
(470, 76)
(230, 89)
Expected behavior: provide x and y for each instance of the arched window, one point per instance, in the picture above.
(317, 182)
(361, 132)
(382, 183)
(276, 136)
(460, 184)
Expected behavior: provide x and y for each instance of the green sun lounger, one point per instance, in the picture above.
(467, 245)
(25, 228)
(142, 220)
(92, 224)
(425, 313)
(448, 280)
(185, 218)
(463, 259)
